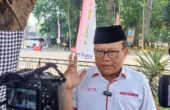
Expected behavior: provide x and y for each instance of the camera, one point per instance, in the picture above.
(30, 89)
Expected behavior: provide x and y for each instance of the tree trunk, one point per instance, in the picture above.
(110, 9)
(146, 43)
(148, 16)
(13, 19)
(136, 38)
(15, 13)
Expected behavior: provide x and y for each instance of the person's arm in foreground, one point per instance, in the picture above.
(148, 102)
(72, 80)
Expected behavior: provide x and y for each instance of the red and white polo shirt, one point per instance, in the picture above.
(129, 91)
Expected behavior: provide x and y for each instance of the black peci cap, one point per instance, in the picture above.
(110, 34)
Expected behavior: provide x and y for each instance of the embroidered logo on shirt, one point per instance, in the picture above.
(91, 89)
(129, 94)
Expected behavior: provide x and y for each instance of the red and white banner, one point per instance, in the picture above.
(87, 26)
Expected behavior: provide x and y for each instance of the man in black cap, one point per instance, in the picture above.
(109, 85)
(20, 102)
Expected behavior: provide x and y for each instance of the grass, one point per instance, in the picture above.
(138, 49)
(165, 108)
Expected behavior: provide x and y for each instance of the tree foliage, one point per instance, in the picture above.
(159, 28)
(131, 16)
(131, 13)
(47, 12)
(166, 17)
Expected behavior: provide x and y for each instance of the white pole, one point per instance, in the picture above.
(143, 24)
(69, 24)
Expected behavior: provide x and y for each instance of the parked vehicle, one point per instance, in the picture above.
(35, 41)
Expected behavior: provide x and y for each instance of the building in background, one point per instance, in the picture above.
(30, 31)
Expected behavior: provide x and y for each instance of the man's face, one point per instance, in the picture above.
(20, 98)
(112, 61)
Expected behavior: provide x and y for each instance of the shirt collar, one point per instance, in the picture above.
(122, 73)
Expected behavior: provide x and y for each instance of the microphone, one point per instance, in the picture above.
(106, 93)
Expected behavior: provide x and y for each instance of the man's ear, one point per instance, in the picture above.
(126, 52)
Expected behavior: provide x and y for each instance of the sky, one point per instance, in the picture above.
(32, 20)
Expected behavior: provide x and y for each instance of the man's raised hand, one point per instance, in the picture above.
(72, 77)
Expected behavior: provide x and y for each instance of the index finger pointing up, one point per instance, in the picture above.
(70, 58)
(75, 59)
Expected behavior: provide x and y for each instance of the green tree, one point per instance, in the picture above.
(131, 16)
(147, 16)
(102, 18)
(166, 17)
(47, 13)
(159, 28)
